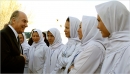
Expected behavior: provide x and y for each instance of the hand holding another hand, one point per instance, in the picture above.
(23, 56)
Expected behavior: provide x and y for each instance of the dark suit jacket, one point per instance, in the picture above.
(11, 61)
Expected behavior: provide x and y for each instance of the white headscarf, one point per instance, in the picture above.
(33, 47)
(90, 33)
(41, 41)
(31, 33)
(58, 41)
(116, 18)
(26, 48)
(74, 26)
(54, 51)
(74, 39)
(25, 44)
(89, 30)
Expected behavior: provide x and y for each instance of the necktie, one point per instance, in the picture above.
(19, 45)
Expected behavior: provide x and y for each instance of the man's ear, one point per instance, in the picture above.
(13, 20)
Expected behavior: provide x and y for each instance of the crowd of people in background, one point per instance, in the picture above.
(96, 45)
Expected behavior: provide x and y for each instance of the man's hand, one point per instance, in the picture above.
(23, 56)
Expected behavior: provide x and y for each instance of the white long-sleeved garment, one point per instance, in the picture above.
(37, 55)
(89, 60)
(116, 19)
(25, 47)
(53, 52)
(72, 43)
(91, 54)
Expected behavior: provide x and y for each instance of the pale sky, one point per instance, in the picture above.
(45, 12)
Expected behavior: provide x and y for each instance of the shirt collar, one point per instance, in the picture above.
(16, 34)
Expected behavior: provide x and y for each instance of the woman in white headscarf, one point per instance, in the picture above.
(25, 47)
(114, 23)
(91, 54)
(55, 48)
(71, 27)
(37, 53)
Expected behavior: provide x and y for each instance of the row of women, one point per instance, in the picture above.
(95, 45)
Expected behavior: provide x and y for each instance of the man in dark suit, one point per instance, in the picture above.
(12, 59)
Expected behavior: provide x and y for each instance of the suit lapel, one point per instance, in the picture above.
(11, 33)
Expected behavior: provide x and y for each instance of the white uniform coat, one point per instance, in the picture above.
(91, 54)
(53, 52)
(71, 45)
(37, 55)
(25, 47)
(116, 19)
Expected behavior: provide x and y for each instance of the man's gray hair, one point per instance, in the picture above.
(14, 15)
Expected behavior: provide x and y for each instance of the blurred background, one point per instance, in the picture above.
(46, 14)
